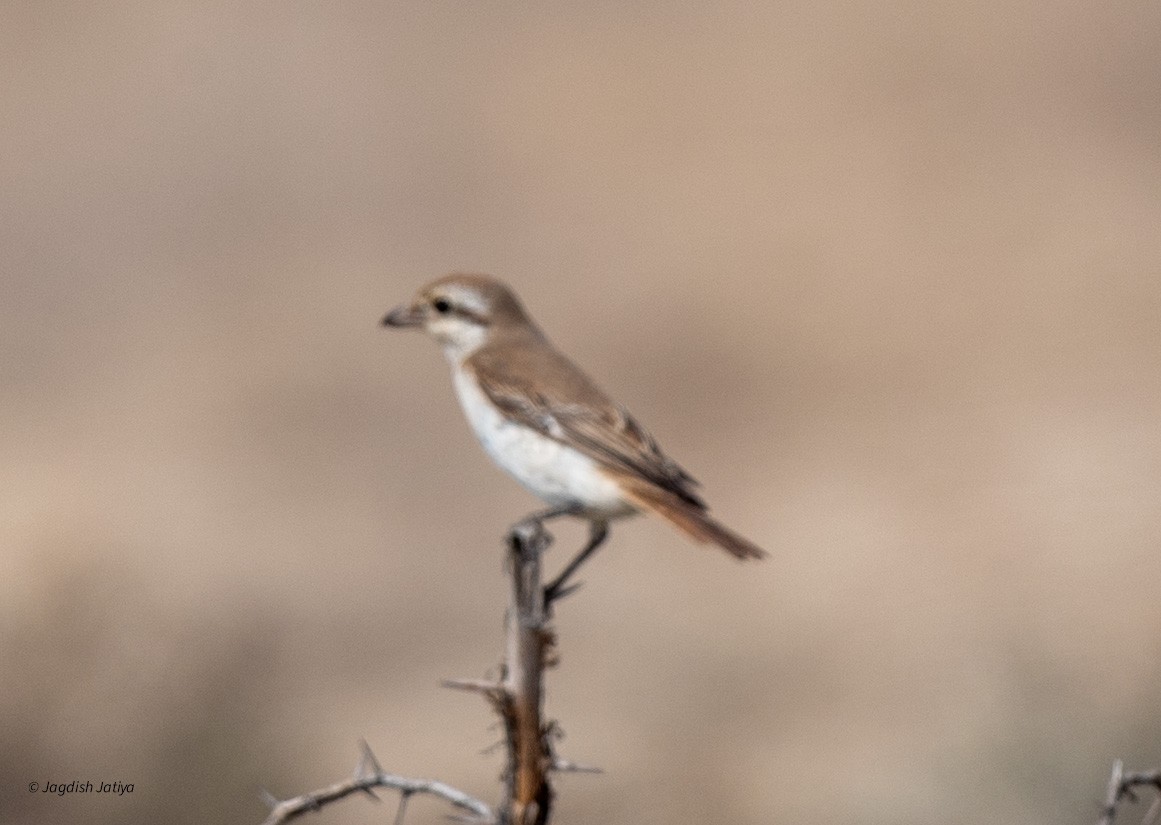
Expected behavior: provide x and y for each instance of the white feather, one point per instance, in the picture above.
(553, 471)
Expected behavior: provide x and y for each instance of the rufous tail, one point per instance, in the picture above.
(688, 517)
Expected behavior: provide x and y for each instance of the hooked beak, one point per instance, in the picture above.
(404, 316)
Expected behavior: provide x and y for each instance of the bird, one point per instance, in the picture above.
(544, 421)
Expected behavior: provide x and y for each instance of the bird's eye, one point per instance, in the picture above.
(442, 305)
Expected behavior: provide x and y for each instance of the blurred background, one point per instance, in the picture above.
(884, 278)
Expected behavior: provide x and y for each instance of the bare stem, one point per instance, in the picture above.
(529, 795)
(368, 776)
(517, 697)
(1122, 785)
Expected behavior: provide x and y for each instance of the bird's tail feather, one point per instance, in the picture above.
(691, 519)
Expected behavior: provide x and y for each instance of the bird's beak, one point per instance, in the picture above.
(404, 316)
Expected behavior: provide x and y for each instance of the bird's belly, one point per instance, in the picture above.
(553, 471)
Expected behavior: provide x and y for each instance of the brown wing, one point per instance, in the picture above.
(572, 410)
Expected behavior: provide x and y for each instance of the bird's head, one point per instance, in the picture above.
(461, 312)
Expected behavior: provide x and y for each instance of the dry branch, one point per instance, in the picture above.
(517, 697)
(1123, 786)
(368, 776)
(529, 639)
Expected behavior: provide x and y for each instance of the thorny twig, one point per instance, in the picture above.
(1122, 786)
(368, 776)
(517, 697)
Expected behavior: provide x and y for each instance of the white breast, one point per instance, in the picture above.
(556, 473)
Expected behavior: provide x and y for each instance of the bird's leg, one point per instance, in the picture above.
(598, 531)
(535, 521)
(531, 527)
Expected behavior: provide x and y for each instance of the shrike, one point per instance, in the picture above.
(547, 424)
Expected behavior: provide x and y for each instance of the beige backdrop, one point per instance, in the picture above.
(886, 278)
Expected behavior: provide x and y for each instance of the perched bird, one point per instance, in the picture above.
(547, 424)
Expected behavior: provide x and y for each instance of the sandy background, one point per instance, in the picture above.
(886, 279)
